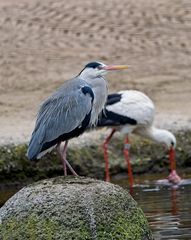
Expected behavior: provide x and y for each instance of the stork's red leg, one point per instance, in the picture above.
(107, 175)
(172, 159)
(173, 176)
(126, 154)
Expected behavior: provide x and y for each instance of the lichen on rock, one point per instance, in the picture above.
(73, 208)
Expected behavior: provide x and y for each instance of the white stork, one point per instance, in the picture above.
(131, 111)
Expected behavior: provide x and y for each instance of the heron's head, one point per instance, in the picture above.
(98, 69)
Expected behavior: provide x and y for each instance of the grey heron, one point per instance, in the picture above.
(132, 111)
(72, 108)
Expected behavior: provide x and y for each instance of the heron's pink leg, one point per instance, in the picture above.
(65, 163)
(107, 175)
(61, 153)
(71, 168)
(126, 154)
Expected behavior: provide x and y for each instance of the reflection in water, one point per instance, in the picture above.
(6, 192)
(168, 208)
(174, 201)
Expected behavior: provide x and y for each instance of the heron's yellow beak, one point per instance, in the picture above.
(115, 67)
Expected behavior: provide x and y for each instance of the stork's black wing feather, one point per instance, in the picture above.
(110, 118)
(113, 98)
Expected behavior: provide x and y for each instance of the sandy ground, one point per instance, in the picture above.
(45, 42)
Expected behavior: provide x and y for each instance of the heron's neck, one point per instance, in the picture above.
(99, 87)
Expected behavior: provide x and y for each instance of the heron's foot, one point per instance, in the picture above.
(174, 178)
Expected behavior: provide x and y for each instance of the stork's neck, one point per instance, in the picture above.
(160, 136)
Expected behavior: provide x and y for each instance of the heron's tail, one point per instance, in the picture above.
(33, 149)
(35, 144)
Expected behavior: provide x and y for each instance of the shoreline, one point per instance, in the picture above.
(87, 159)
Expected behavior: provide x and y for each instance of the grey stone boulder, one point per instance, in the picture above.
(74, 209)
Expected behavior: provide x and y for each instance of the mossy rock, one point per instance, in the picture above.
(72, 208)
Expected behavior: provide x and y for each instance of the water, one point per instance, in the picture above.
(7, 191)
(168, 209)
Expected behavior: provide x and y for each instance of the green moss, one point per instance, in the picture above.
(34, 227)
(28, 228)
(133, 227)
(88, 160)
(117, 224)
(125, 228)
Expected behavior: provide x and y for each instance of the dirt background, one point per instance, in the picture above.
(45, 42)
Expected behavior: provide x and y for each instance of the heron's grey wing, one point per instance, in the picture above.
(63, 114)
(58, 115)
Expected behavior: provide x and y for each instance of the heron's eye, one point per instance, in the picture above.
(99, 67)
(172, 143)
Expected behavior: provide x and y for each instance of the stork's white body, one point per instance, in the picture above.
(135, 105)
(139, 107)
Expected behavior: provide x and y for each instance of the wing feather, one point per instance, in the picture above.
(61, 113)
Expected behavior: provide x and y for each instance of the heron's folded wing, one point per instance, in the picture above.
(62, 114)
